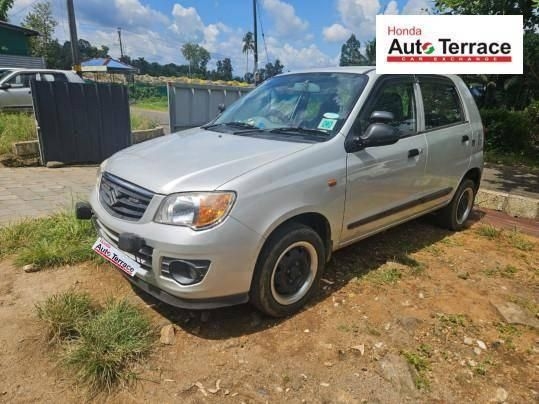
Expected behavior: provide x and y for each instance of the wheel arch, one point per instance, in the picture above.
(473, 174)
(315, 220)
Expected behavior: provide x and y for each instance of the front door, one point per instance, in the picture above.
(19, 95)
(384, 183)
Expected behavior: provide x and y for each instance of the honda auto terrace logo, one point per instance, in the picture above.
(449, 44)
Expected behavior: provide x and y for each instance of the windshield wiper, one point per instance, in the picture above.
(300, 130)
(235, 124)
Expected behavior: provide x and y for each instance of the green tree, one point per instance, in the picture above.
(351, 53)
(526, 8)
(197, 56)
(40, 19)
(248, 47)
(273, 69)
(224, 69)
(512, 91)
(5, 6)
(370, 52)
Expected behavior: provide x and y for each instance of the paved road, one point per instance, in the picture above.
(37, 191)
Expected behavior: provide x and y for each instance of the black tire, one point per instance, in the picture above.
(455, 215)
(302, 248)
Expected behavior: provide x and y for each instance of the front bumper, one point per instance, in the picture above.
(231, 248)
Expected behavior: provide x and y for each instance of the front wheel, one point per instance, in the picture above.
(288, 270)
(455, 215)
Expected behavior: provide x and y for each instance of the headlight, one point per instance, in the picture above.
(198, 210)
(100, 171)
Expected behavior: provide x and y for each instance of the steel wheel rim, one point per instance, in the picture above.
(464, 205)
(300, 274)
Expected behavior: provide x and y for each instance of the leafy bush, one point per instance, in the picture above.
(508, 131)
(144, 91)
(64, 313)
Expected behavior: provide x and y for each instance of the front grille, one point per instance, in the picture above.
(143, 256)
(123, 199)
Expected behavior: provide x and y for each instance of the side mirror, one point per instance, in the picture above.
(382, 116)
(221, 108)
(5, 86)
(377, 134)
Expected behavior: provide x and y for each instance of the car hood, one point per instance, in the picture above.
(195, 160)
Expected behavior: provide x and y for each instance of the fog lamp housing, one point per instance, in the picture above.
(187, 272)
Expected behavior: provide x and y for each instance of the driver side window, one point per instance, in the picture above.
(397, 97)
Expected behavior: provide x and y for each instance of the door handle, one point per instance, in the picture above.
(465, 138)
(413, 152)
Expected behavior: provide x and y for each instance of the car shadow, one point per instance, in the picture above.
(351, 262)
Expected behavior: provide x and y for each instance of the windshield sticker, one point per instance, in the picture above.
(331, 115)
(327, 124)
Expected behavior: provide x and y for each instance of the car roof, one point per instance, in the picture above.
(21, 69)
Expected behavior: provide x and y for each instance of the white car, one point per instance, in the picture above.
(15, 91)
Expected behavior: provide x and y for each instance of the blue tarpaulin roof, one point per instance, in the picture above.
(107, 65)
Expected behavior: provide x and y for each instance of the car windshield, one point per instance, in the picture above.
(311, 106)
(4, 73)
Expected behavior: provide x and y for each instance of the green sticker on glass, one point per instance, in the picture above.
(327, 124)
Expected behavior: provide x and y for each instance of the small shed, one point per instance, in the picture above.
(99, 67)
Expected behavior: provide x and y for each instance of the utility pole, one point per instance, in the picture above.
(121, 46)
(73, 35)
(256, 42)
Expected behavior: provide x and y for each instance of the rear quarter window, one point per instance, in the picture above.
(441, 103)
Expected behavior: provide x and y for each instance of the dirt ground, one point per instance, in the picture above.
(411, 295)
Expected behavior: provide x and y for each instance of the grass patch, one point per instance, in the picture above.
(64, 314)
(59, 239)
(139, 122)
(154, 103)
(516, 240)
(385, 276)
(452, 319)
(109, 343)
(419, 362)
(15, 127)
(490, 232)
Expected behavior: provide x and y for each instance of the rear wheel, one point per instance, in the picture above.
(288, 270)
(455, 215)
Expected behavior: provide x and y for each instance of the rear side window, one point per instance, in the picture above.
(59, 77)
(441, 103)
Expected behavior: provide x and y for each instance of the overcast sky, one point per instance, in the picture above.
(301, 33)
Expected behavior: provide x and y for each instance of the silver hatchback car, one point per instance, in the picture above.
(15, 93)
(251, 206)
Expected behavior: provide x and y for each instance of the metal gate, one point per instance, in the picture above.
(191, 105)
(81, 123)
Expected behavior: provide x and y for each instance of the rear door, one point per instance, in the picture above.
(385, 184)
(448, 133)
